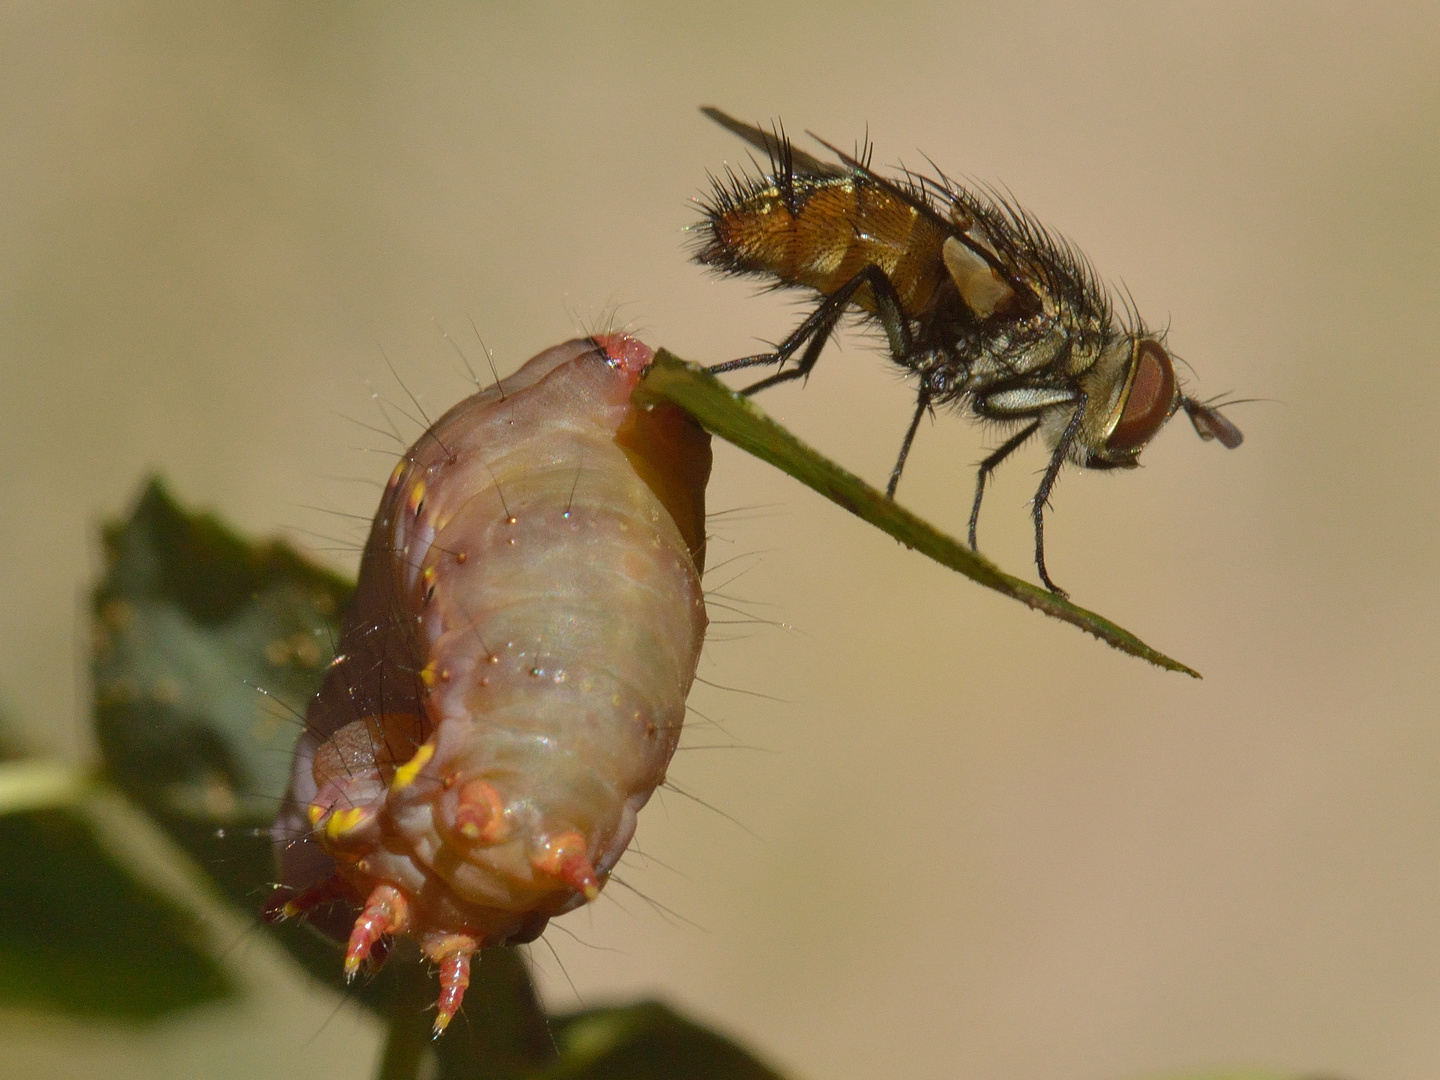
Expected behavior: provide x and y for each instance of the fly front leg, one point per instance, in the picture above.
(989, 465)
(922, 406)
(1042, 495)
(820, 324)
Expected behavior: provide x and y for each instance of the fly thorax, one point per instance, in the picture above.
(1047, 347)
(1019, 351)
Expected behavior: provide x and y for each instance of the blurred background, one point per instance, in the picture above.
(971, 842)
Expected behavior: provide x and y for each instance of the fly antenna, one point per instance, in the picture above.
(1210, 423)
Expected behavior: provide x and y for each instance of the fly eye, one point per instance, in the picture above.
(1150, 402)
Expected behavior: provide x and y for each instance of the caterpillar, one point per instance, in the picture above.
(511, 675)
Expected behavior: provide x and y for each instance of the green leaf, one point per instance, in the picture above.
(80, 935)
(207, 648)
(723, 412)
(647, 1041)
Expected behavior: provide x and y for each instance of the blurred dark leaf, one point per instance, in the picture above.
(189, 621)
(191, 624)
(647, 1041)
(80, 935)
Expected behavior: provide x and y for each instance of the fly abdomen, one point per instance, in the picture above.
(819, 233)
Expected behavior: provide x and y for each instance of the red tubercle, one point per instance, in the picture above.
(626, 353)
(480, 813)
(577, 872)
(566, 857)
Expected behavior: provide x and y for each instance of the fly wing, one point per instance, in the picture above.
(796, 162)
(1209, 424)
(960, 219)
(775, 144)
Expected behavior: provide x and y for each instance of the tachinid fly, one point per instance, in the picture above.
(980, 302)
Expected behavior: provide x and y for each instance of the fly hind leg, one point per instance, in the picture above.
(819, 337)
(820, 324)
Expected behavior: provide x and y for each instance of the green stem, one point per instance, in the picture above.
(407, 1043)
(40, 784)
(736, 419)
(502, 1033)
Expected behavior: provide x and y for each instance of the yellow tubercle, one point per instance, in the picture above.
(343, 821)
(405, 775)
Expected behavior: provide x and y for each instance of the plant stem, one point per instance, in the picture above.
(722, 412)
(407, 1043)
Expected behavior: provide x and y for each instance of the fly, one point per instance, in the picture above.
(986, 308)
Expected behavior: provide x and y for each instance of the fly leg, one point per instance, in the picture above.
(922, 406)
(989, 465)
(820, 324)
(821, 336)
(1042, 495)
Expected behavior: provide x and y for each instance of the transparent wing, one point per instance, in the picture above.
(779, 148)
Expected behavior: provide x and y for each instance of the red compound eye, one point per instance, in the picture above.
(1150, 402)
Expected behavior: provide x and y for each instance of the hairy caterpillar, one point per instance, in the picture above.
(512, 672)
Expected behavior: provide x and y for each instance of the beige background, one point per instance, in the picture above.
(979, 843)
